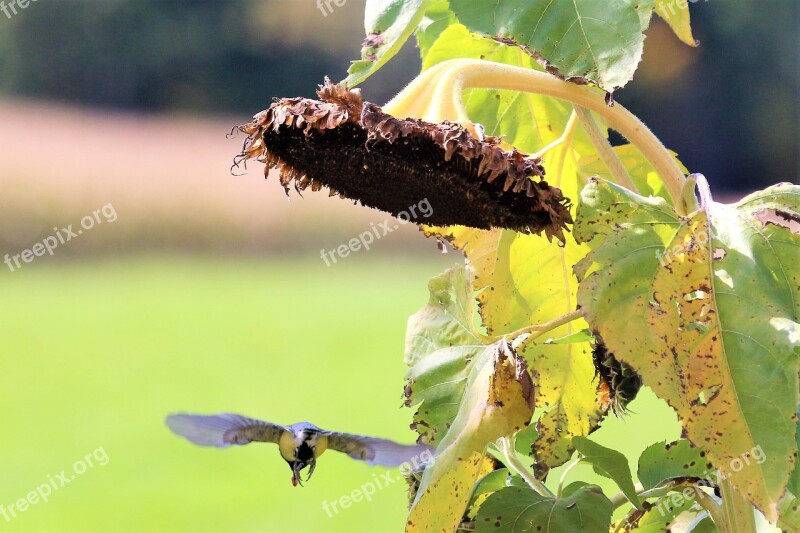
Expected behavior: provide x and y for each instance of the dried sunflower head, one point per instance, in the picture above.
(359, 152)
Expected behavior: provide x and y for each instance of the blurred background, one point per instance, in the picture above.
(196, 290)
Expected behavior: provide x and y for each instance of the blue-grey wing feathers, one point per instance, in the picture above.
(223, 430)
(228, 429)
(374, 451)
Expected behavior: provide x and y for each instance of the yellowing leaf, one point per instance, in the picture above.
(707, 309)
(523, 280)
(565, 383)
(520, 280)
(468, 394)
(497, 402)
(676, 13)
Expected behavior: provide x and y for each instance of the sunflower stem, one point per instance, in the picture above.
(715, 511)
(537, 330)
(565, 136)
(564, 476)
(736, 512)
(513, 462)
(569, 134)
(604, 150)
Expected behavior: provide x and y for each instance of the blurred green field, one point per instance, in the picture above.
(95, 355)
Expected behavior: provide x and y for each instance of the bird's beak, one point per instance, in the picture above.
(297, 467)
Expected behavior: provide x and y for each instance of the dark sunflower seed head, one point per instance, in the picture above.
(359, 152)
(618, 380)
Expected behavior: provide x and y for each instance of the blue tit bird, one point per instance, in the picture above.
(299, 444)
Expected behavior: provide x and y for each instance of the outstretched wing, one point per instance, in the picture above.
(224, 429)
(382, 452)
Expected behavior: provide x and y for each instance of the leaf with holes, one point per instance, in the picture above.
(706, 308)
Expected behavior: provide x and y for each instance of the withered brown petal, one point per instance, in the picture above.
(389, 163)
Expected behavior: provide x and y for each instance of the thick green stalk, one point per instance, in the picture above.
(705, 501)
(524, 335)
(513, 463)
(737, 511)
(604, 150)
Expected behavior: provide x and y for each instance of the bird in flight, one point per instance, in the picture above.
(299, 444)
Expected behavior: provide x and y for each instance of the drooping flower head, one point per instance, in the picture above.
(359, 152)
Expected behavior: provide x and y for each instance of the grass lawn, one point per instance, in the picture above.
(96, 354)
